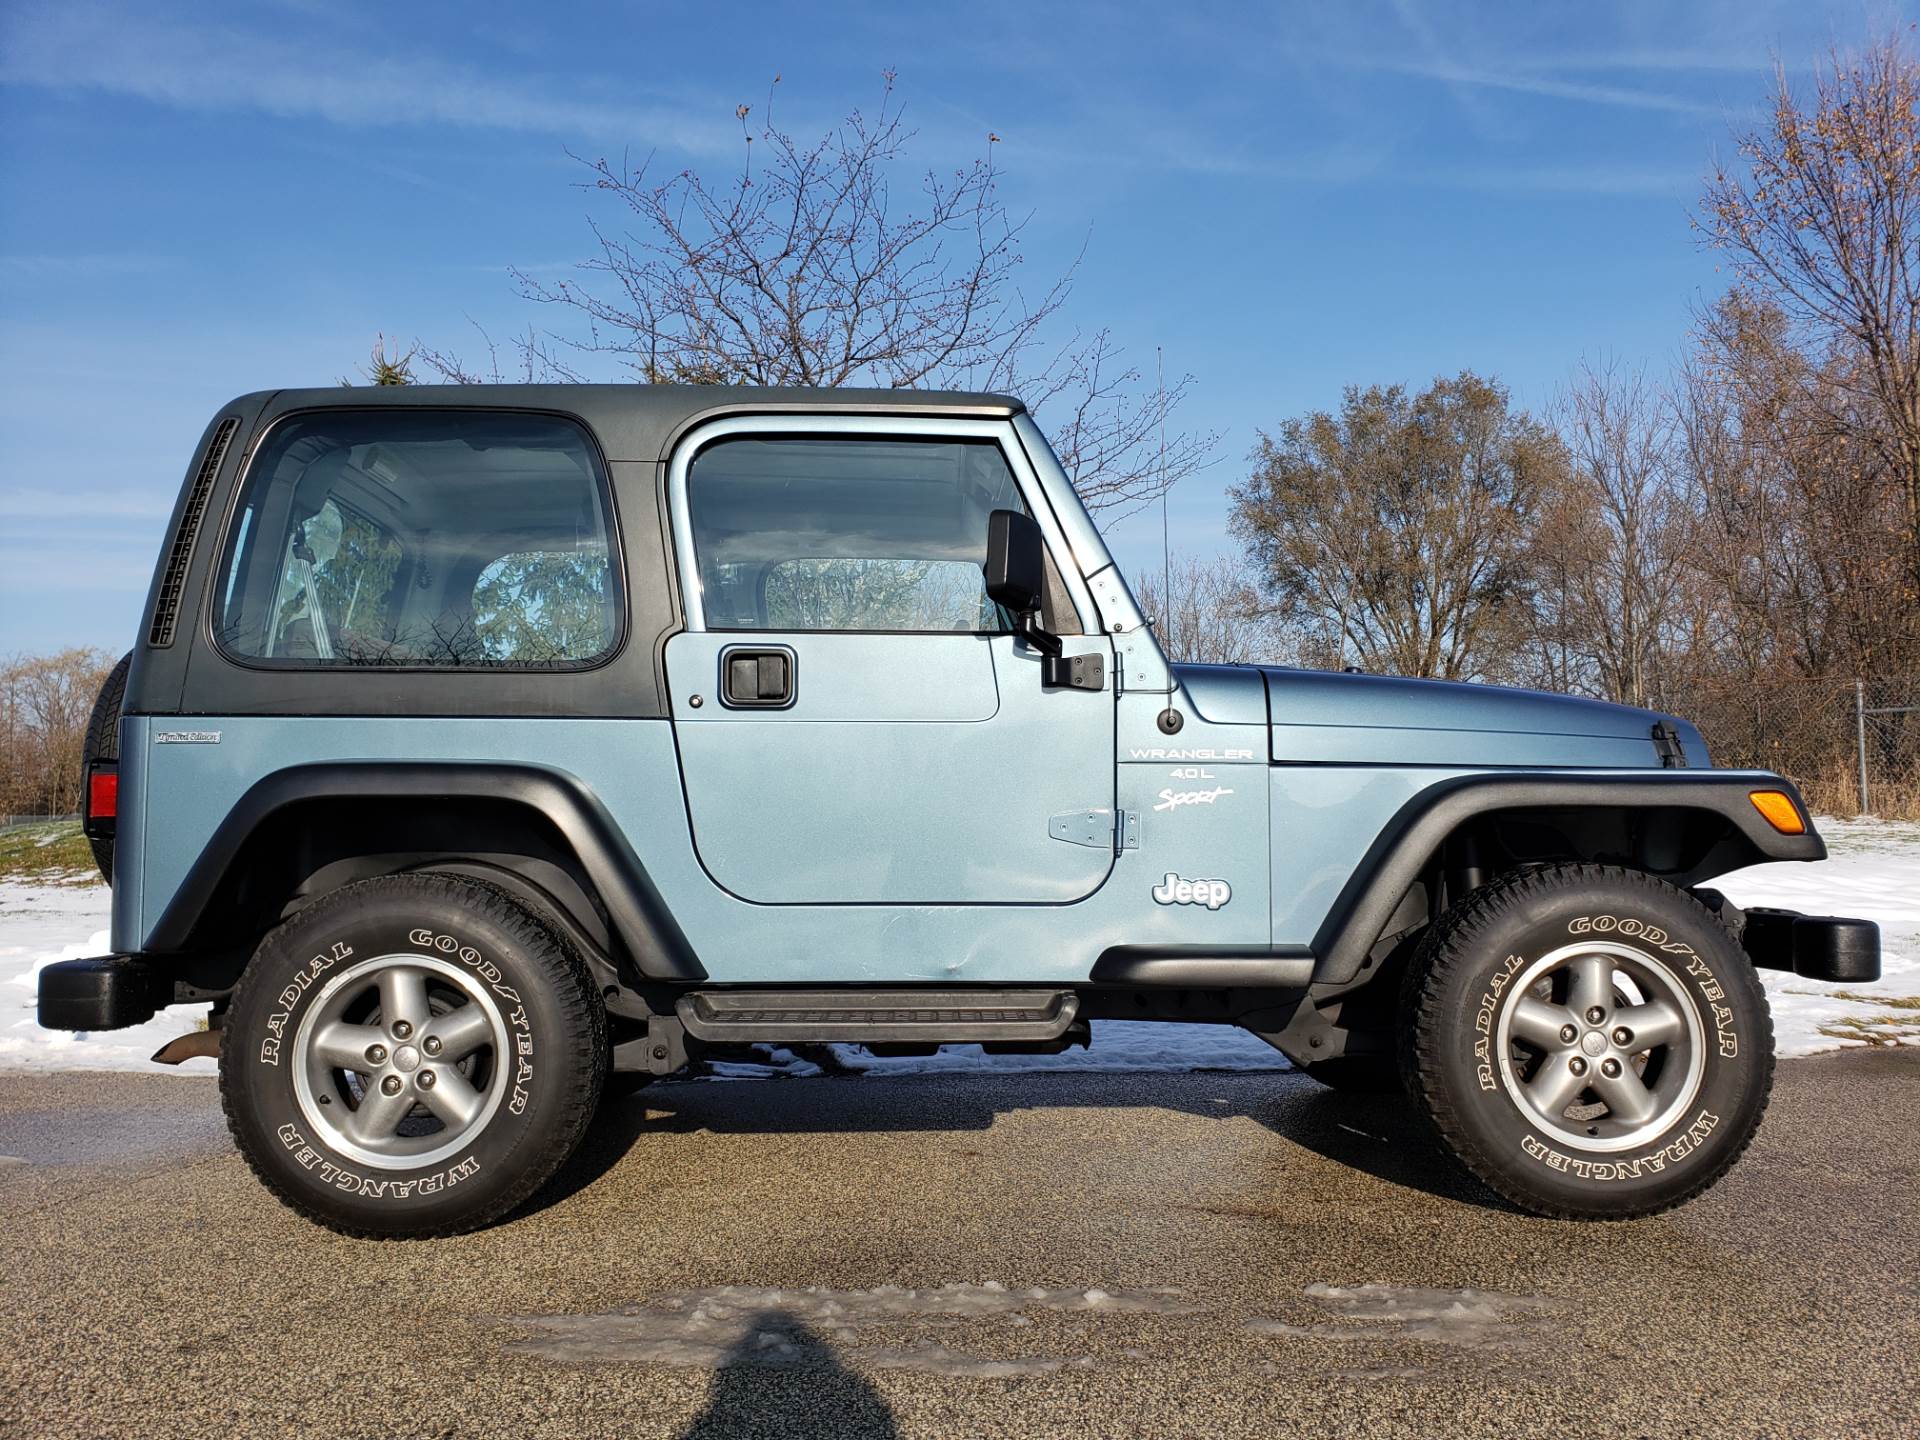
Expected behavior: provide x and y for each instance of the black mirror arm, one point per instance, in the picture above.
(1027, 626)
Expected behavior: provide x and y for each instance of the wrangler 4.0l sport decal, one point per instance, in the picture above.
(1171, 799)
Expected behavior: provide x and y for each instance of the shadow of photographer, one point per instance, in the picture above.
(779, 1378)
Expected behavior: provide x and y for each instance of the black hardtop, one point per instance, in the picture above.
(636, 422)
(636, 426)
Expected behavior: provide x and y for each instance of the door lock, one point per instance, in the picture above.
(756, 677)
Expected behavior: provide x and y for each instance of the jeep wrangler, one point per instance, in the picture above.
(488, 749)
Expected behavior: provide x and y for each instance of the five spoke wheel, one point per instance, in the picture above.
(1600, 1044)
(400, 1060)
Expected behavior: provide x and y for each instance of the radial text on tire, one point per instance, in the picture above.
(411, 1055)
(1588, 1041)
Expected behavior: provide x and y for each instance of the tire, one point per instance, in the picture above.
(1658, 1097)
(103, 743)
(1358, 1074)
(326, 1090)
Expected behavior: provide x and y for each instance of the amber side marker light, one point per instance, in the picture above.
(1779, 811)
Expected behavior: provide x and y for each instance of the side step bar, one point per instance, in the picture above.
(933, 1016)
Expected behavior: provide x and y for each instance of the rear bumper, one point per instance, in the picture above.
(1816, 947)
(107, 992)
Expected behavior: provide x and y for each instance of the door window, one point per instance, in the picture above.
(800, 533)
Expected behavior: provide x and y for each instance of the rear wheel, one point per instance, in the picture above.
(1588, 1041)
(411, 1055)
(103, 743)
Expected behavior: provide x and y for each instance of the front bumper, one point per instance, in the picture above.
(107, 992)
(1815, 947)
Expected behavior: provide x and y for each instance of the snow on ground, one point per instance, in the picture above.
(42, 923)
(1873, 872)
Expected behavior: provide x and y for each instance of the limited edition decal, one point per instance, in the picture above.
(1176, 891)
(186, 737)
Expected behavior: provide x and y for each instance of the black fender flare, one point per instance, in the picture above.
(634, 904)
(1414, 835)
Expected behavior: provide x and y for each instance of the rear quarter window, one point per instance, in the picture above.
(438, 539)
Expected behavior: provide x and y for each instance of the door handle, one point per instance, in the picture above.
(756, 677)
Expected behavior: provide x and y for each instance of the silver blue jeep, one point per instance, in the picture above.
(488, 749)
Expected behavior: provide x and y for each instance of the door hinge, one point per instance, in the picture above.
(1096, 828)
(1073, 672)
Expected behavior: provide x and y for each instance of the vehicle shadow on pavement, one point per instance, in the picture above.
(779, 1378)
(1375, 1135)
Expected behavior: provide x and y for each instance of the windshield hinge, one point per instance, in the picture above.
(1666, 744)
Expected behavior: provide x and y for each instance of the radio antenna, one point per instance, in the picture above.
(1166, 545)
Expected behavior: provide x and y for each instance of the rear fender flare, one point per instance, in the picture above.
(634, 904)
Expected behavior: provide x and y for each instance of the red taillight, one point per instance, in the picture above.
(103, 795)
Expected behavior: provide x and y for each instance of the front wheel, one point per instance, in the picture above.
(411, 1055)
(1588, 1041)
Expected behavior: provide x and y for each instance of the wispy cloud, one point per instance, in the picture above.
(1533, 83)
(127, 566)
(41, 503)
(533, 267)
(53, 267)
(207, 67)
(1568, 179)
(1437, 62)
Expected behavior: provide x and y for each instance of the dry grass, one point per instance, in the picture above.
(1889, 1029)
(1897, 1002)
(1836, 791)
(54, 853)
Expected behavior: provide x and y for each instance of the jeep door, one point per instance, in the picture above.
(856, 722)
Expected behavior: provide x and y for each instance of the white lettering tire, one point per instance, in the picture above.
(1588, 1041)
(410, 1056)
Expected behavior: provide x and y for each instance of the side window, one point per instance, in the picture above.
(541, 602)
(468, 539)
(843, 533)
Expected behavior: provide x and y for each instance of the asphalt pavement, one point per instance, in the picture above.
(1097, 1255)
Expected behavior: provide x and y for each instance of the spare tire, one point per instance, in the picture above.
(103, 743)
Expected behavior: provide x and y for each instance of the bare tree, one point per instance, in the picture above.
(1209, 612)
(1610, 548)
(1397, 529)
(1825, 225)
(45, 703)
(805, 268)
(1798, 551)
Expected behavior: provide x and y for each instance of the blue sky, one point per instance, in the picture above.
(1286, 198)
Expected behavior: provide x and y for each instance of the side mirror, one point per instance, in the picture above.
(1016, 580)
(1016, 571)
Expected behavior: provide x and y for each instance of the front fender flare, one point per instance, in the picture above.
(1410, 840)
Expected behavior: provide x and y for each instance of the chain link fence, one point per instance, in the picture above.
(1851, 745)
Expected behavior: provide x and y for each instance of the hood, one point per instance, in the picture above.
(1318, 717)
